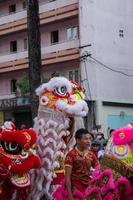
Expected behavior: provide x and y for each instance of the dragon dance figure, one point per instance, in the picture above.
(60, 102)
(17, 158)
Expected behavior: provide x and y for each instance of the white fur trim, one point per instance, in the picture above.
(59, 153)
(56, 165)
(51, 124)
(60, 145)
(62, 133)
(50, 140)
(51, 133)
(53, 83)
(49, 151)
(78, 109)
(46, 160)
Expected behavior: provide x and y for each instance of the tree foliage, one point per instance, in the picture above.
(23, 84)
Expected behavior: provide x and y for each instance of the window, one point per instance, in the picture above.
(74, 75)
(121, 33)
(70, 75)
(72, 33)
(13, 46)
(12, 8)
(55, 74)
(54, 37)
(13, 86)
(25, 43)
(24, 5)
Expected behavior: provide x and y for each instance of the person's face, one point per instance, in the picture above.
(95, 147)
(85, 141)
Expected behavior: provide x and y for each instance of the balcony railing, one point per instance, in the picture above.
(44, 7)
(44, 50)
(13, 102)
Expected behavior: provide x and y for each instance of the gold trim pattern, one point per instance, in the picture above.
(117, 166)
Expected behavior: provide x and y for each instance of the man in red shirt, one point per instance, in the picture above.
(78, 163)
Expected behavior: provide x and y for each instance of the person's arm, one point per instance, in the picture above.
(68, 171)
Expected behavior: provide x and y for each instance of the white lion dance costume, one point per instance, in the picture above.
(60, 100)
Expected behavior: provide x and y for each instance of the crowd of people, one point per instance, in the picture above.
(81, 160)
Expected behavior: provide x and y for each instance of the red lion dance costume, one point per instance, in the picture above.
(17, 158)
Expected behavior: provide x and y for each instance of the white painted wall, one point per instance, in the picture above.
(100, 22)
(104, 111)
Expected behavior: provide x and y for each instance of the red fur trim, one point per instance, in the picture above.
(26, 138)
(109, 196)
(78, 195)
(28, 164)
(4, 173)
(125, 184)
(62, 194)
(93, 191)
(58, 179)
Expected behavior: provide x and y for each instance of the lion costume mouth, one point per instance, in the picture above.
(21, 180)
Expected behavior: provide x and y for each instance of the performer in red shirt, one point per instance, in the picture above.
(78, 163)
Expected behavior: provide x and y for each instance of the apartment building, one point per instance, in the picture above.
(89, 41)
(59, 48)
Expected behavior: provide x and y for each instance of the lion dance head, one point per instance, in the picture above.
(17, 158)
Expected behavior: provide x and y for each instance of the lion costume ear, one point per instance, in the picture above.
(26, 138)
(8, 125)
(123, 136)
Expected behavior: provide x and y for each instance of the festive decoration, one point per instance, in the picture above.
(17, 158)
(60, 100)
(120, 148)
(112, 180)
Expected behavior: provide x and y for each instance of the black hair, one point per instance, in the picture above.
(82, 131)
(95, 143)
(111, 130)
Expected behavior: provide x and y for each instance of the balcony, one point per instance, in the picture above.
(49, 12)
(13, 102)
(13, 17)
(65, 51)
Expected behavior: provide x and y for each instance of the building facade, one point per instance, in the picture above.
(107, 65)
(59, 29)
(87, 41)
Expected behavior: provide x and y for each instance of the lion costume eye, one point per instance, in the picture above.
(11, 147)
(43, 100)
(61, 90)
